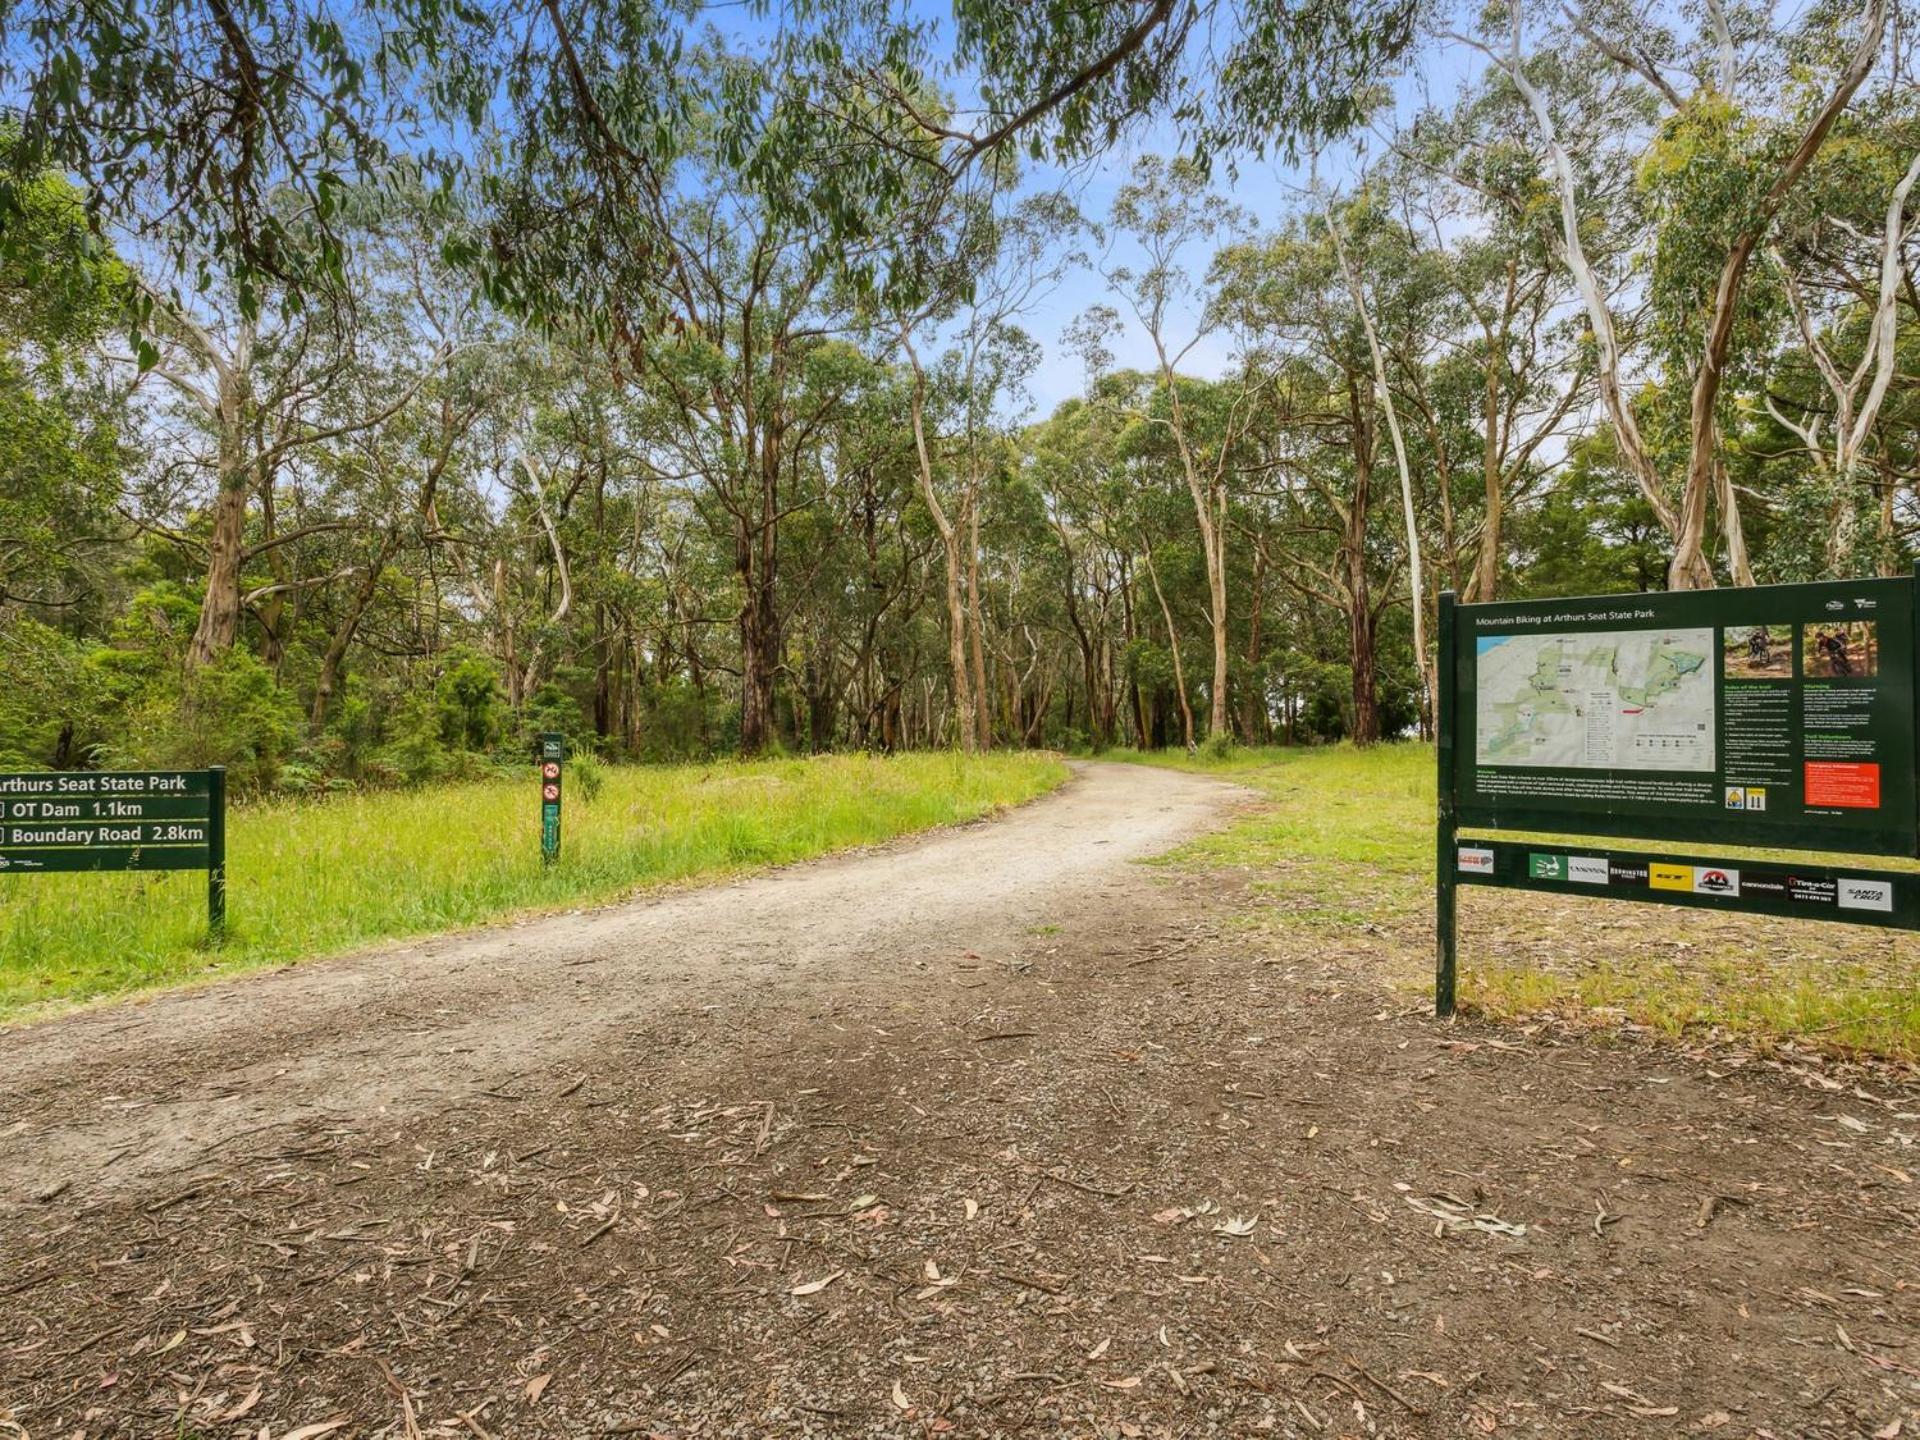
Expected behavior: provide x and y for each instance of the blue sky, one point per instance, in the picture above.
(1265, 189)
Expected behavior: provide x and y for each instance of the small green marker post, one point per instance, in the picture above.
(552, 751)
(217, 852)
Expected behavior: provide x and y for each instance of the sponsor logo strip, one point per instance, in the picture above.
(1765, 886)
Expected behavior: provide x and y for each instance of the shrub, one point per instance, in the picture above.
(229, 712)
(550, 708)
(586, 776)
(48, 697)
(415, 753)
(473, 711)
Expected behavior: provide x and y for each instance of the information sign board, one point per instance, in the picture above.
(1777, 716)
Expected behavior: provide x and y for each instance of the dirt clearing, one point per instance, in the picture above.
(995, 1133)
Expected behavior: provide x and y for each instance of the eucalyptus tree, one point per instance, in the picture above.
(1512, 359)
(1073, 463)
(1740, 118)
(1316, 446)
(1383, 391)
(61, 445)
(1837, 382)
(992, 359)
(930, 283)
(1167, 212)
(266, 388)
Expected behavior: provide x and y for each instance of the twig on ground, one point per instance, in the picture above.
(1084, 1189)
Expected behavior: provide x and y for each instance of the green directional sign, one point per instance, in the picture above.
(106, 820)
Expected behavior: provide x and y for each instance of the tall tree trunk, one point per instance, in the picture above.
(1173, 646)
(756, 643)
(1366, 693)
(1361, 627)
(1132, 631)
(1210, 514)
(976, 620)
(1254, 698)
(1080, 634)
(328, 679)
(756, 561)
(1422, 661)
(219, 623)
(966, 733)
(1486, 578)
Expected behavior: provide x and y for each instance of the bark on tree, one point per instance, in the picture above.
(1173, 647)
(966, 733)
(1422, 659)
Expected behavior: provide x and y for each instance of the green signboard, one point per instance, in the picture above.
(552, 752)
(103, 820)
(1780, 716)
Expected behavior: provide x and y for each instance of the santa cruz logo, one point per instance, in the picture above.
(1865, 894)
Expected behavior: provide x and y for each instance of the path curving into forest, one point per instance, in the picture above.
(132, 1094)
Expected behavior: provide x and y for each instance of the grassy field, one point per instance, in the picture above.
(311, 877)
(1343, 860)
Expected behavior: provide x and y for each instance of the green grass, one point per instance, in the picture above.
(1347, 841)
(1348, 837)
(309, 877)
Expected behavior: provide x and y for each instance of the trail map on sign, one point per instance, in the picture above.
(1598, 700)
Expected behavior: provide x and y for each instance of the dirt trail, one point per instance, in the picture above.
(989, 1134)
(152, 1085)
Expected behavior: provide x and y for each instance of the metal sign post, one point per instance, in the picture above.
(64, 821)
(1778, 716)
(552, 752)
(1447, 832)
(217, 851)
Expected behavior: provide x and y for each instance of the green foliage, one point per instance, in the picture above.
(229, 713)
(416, 749)
(50, 699)
(473, 707)
(586, 776)
(552, 709)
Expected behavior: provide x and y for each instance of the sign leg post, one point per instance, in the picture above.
(1447, 831)
(1446, 924)
(217, 852)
